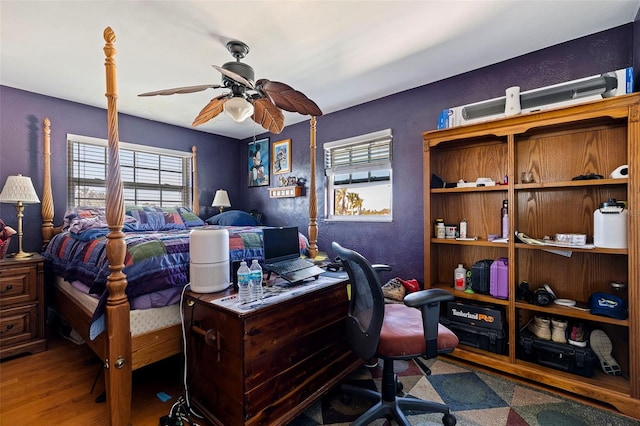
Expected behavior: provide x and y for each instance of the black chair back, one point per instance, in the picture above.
(366, 307)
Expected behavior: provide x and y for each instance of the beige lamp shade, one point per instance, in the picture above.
(238, 108)
(19, 189)
(221, 199)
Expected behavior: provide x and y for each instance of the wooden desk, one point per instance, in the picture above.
(267, 365)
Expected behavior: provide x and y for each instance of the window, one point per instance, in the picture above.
(151, 176)
(358, 178)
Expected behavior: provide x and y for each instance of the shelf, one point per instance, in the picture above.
(569, 184)
(476, 189)
(553, 146)
(566, 311)
(479, 242)
(588, 386)
(485, 298)
(595, 250)
(286, 192)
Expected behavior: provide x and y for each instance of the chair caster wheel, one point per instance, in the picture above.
(399, 387)
(449, 420)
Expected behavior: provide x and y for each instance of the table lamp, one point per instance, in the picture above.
(19, 190)
(221, 200)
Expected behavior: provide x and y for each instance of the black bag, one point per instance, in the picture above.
(481, 276)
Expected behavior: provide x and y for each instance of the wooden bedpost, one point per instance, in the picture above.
(313, 204)
(46, 208)
(195, 205)
(118, 365)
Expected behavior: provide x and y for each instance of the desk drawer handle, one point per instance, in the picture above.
(211, 337)
(7, 288)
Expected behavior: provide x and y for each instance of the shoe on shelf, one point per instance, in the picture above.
(577, 335)
(559, 330)
(602, 347)
(541, 327)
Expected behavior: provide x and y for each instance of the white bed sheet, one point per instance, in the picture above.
(141, 320)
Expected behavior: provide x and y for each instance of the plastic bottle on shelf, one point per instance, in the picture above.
(256, 280)
(463, 228)
(504, 219)
(460, 278)
(244, 283)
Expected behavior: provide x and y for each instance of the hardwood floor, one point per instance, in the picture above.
(54, 387)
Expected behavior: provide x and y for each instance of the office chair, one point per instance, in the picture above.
(392, 332)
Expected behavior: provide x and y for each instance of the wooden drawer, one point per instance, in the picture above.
(22, 306)
(18, 325)
(18, 285)
(267, 365)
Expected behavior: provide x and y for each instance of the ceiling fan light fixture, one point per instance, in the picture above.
(238, 108)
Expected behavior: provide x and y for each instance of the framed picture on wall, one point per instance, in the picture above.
(281, 154)
(258, 162)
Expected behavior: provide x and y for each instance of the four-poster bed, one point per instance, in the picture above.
(120, 349)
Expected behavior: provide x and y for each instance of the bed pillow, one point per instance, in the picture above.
(89, 222)
(81, 218)
(233, 218)
(189, 218)
(163, 218)
(156, 218)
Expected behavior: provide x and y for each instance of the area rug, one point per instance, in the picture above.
(475, 397)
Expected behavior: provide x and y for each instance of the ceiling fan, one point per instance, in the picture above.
(261, 100)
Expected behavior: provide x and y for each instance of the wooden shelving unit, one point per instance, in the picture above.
(554, 145)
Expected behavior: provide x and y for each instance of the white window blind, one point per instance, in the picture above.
(150, 176)
(359, 177)
(362, 152)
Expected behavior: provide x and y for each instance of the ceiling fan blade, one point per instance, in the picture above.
(186, 89)
(235, 77)
(288, 98)
(211, 110)
(268, 115)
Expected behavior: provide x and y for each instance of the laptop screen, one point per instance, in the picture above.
(280, 244)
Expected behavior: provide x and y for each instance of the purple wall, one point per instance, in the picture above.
(21, 150)
(408, 114)
(412, 112)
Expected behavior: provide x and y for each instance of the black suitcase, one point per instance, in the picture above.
(477, 337)
(488, 316)
(561, 356)
(480, 276)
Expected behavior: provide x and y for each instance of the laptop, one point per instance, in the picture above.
(282, 255)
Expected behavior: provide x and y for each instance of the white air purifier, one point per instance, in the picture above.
(209, 260)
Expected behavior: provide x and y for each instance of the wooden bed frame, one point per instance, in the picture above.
(120, 352)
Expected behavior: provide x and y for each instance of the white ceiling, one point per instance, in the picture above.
(338, 53)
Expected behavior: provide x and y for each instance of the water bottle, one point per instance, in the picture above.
(244, 283)
(504, 219)
(256, 280)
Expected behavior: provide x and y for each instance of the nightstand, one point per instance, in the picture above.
(22, 317)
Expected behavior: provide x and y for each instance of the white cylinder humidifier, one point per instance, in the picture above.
(209, 260)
